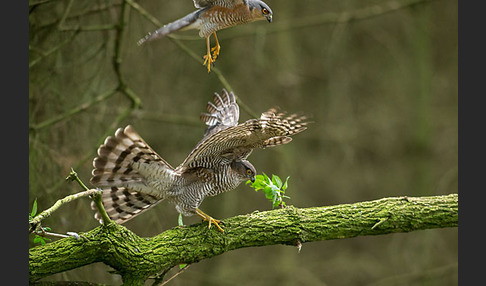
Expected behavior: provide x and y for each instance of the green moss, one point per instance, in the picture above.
(137, 258)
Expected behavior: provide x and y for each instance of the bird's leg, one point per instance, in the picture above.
(208, 59)
(216, 48)
(209, 219)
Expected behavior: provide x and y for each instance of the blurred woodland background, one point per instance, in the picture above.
(378, 78)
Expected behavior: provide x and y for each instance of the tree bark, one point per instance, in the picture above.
(137, 258)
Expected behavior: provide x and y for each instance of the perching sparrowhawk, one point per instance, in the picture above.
(134, 177)
(212, 16)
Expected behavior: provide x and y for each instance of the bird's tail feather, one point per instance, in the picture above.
(223, 113)
(180, 24)
(121, 204)
(118, 172)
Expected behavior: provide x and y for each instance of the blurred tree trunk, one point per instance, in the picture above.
(136, 259)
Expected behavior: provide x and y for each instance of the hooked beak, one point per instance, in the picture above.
(252, 179)
(269, 18)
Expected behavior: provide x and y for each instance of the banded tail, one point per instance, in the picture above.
(120, 170)
(223, 113)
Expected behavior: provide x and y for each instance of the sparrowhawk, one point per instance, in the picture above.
(134, 177)
(212, 16)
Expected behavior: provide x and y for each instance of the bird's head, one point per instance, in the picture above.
(260, 10)
(244, 169)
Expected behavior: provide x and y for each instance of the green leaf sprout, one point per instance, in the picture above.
(273, 188)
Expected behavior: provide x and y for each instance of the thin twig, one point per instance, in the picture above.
(218, 73)
(117, 58)
(101, 209)
(56, 234)
(192, 54)
(166, 118)
(122, 87)
(144, 13)
(46, 233)
(73, 111)
(89, 28)
(60, 26)
(51, 51)
(96, 197)
(47, 213)
(157, 283)
(76, 15)
(73, 176)
(114, 125)
(42, 232)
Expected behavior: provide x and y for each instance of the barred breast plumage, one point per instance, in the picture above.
(212, 16)
(134, 177)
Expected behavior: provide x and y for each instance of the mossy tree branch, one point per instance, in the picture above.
(136, 258)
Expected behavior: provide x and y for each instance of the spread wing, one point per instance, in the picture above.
(237, 142)
(223, 3)
(223, 113)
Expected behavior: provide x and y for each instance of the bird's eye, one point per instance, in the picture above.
(248, 172)
(264, 11)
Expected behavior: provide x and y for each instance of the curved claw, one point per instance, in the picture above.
(209, 219)
(216, 48)
(208, 61)
(215, 51)
(208, 58)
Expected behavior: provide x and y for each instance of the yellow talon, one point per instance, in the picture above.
(215, 51)
(216, 48)
(209, 219)
(208, 58)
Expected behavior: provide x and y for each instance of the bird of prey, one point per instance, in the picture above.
(212, 16)
(135, 178)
